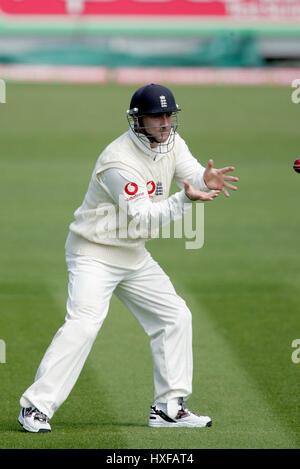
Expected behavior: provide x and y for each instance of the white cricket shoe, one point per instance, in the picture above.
(32, 420)
(184, 418)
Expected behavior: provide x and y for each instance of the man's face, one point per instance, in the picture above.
(158, 126)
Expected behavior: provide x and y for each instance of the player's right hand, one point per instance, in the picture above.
(195, 194)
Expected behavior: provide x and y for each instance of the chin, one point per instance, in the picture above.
(163, 138)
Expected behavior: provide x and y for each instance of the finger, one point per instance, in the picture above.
(210, 164)
(230, 186)
(206, 196)
(226, 169)
(212, 195)
(225, 192)
(231, 178)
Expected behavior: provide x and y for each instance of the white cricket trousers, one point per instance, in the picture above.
(149, 294)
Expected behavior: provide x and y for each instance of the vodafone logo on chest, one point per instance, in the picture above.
(151, 187)
(155, 188)
(131, 188)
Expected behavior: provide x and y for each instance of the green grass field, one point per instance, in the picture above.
(242, 286)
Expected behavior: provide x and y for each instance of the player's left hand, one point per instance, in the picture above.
(216, 179)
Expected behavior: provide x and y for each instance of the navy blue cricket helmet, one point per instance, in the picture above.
(146, 101)
(152, 99)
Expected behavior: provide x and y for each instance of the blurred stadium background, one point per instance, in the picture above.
(187, 35)
(70, 68)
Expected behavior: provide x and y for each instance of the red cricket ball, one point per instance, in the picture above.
(296, 165)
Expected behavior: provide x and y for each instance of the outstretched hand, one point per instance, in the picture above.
(215, 179)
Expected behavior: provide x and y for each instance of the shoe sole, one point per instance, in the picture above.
(177, 425)
(41, 430)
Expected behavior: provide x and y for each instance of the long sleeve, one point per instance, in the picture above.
(188, 167)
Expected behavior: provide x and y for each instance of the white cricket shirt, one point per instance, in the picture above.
(129, 194)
